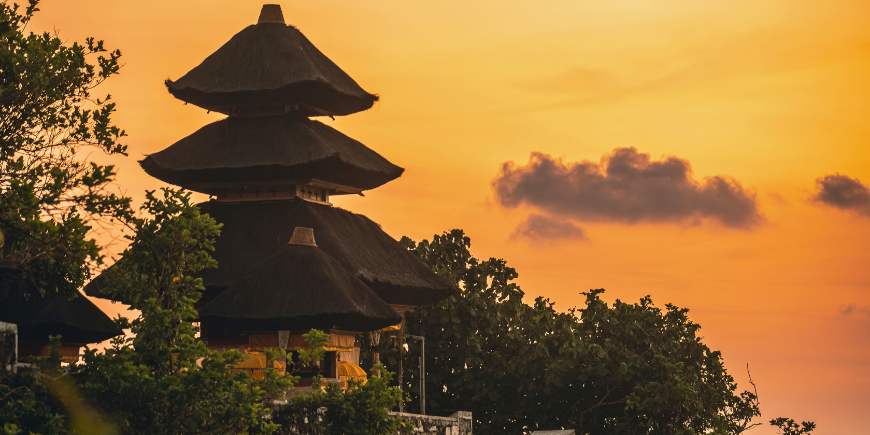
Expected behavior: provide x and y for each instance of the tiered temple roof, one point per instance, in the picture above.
(270, 170)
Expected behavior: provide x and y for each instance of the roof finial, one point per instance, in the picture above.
(302, 236)
(271, 14)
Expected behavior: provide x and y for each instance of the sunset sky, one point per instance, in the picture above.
(734, 110)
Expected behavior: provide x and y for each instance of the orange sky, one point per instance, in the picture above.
(773, 93)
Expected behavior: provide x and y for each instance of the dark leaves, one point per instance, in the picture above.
(163, 380)
(51, 197)
(605, 368)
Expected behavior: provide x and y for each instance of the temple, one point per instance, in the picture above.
(288, 260)
(37, 317)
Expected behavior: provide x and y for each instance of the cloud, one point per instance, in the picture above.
(777, 198)
(844, 193)
(626, 187)
(540, 228)
(854, 308)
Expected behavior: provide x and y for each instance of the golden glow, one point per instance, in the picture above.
(775, 93)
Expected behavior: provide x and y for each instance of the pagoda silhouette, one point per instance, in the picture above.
(288, 261)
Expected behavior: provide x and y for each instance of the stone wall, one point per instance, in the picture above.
(457, 424)
(555, 432)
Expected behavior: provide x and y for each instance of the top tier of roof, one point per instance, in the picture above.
(271, 68)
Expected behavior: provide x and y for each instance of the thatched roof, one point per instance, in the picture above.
(263, 149)
(271, 64)
(300, 287)
(76, 321)
(254, 231)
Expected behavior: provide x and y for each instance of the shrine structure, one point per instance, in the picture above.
(288, 260)
(78, 322)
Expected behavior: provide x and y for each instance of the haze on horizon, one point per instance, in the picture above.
(544, 128)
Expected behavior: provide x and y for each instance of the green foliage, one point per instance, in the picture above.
(50, 195)
(605, 368)
(45, 401)
(28, 407)
(788, 426)
(360, 409)
(316, 341)
(164, 381)
(156, 275)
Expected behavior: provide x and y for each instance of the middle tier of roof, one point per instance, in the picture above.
(245, 151)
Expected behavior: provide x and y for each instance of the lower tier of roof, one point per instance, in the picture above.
(300, 287)
(254, 231)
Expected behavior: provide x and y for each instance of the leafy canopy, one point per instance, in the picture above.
(618, 368)
(362, 408)
(50, 194)
(164, 381)
(788, 426)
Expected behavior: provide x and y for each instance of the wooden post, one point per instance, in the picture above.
(375, 342)
(401, 384)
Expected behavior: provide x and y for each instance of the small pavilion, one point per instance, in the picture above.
(77, 321)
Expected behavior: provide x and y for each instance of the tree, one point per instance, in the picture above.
(164, 381)
(616, 368)
(362, 408)
(788, 426)
(51, 196)
(161, 380)
(29, 407)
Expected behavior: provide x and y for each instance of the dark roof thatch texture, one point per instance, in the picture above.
(76, 321)
(300, 287)
(270, 65)
(248, 150)
(254, 231)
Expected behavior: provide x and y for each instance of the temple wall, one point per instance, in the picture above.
(351, 357)
(459, 423)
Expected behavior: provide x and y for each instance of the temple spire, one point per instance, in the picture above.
(271, 14)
